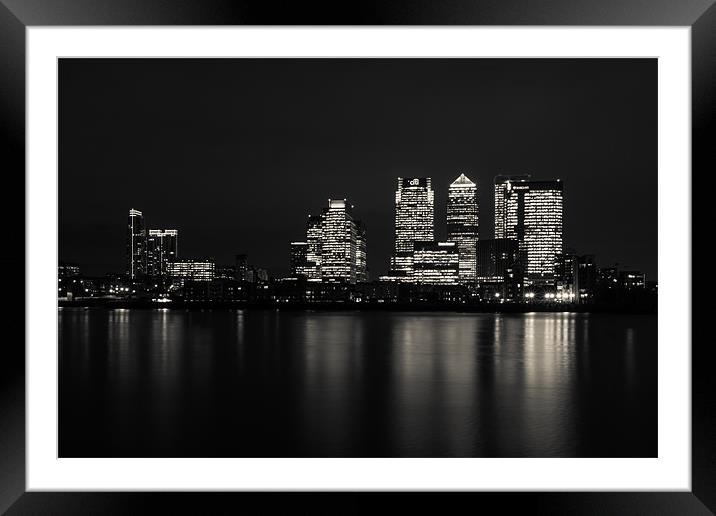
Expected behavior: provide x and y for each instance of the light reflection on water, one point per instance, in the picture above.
(266, 383)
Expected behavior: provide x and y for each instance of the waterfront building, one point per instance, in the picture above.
(414, 221)
(314, 235)
(195, 270)
(298, 261)
(608, 278)
(338, 243)
(241, 267)
(495, 257)
(262, 275)
(462, 225)
(162, 248)
(68, 270)
(498, 274)
(361, 253)
(226, 272)
(435, 263)
(586, 278)
(530, 212)
(632, 280)
(136, 245)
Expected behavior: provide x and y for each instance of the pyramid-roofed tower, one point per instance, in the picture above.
(462, 180)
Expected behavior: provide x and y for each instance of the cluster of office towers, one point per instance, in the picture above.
(335, 246)
(154, 254)
(149, 252)
(527, 243)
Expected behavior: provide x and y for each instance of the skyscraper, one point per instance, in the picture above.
(531, 212)
(338, 243)
(495, 257)
(506, 219)
(136, 245)
(241, 267)
(462, 224)
(361, 252)
(414, 221)
(299, 262)
(314, 232)
(162, 248)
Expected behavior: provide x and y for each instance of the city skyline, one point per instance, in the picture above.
(529, 212)
(525, 263)
(242, 171)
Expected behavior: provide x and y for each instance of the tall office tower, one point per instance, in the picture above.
(299, 262)
(414, 221)
(241, 267)
(361, 253)
(136, 245)
(495, 259)
(338, 243)
(162, 248)
(436, 263)
(506, 218)
(530, 212)
(314, 232)
(462, 223)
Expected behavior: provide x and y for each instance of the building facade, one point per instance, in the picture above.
(496, 257)
(462, 225)
(299, 261)
(241, 267)
(632, 280)
(136, 245)
(338, 243)
(162, 248)
(195, 270)
(530, 212)
(436, 263)
(506, 207)
(361, 253)
(498, 274)
(414, 221)
(314, 235)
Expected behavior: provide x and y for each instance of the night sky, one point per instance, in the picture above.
(235, 153)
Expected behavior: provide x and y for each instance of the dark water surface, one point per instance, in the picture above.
(233, 383)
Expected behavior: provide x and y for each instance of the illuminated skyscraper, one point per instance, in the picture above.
(506, 219)
(314, 232)
(338, 243)
(361, 253)
(435, 263)
(162, 248)
(462, 224)
(136, 245)
(414, 221)
(531, 212)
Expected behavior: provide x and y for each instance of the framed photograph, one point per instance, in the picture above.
(275, 253)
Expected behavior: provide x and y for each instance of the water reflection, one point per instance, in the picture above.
(253, 383)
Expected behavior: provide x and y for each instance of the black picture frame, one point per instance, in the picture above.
(17, 15)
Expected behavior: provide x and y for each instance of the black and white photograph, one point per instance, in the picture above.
(300, 258)
(357, 257)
